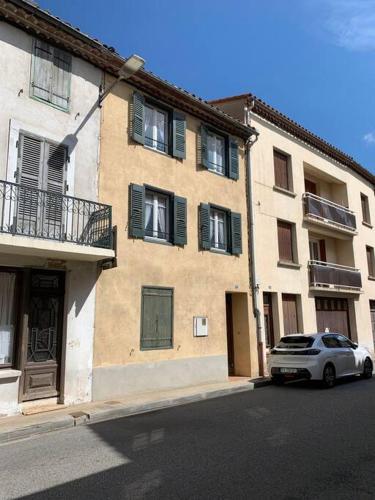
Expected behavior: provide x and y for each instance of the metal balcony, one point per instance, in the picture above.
(328, 213)
(325, 275)
(31, 212)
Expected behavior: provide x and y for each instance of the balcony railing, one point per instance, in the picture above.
(326, 211)
(328, 275)
(28, 211)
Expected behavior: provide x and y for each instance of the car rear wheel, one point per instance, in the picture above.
(278, 379)
(367, 368)
(329, 376)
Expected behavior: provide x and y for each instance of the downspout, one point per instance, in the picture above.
(254, 285)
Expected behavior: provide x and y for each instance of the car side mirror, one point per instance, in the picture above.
(355, 345)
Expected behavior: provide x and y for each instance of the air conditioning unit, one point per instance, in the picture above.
(200, 326)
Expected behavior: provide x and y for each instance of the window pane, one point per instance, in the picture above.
(149, 126)
(219, 153)
(160, 126)
(149, 215)
(7, 326)
(162, 222)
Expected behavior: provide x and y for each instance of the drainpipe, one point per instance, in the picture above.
(253, 279)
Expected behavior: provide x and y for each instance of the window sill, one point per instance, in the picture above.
(164, 153)
(156, 348)
(291, 265)
(221, 252)
(217, 173)
(284, 191)
(367, 224)
(150, 239)
(48, 103)
(371, 278)
(7, 373)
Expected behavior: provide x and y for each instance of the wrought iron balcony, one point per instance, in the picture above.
(329, 213)
(27, 211)
(327, 275)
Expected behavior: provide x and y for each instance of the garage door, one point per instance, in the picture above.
(332, 314)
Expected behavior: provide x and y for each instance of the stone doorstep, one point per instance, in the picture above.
(33, 424)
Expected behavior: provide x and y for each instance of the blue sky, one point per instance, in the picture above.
(311, 59)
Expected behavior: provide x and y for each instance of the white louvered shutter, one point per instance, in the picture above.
(56, 157)
(62, 63)
(30, 163)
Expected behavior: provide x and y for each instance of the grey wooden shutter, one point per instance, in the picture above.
(204, 147)
(157, 318)
(41, 82)
(204, 226)
(55, 169)
(61, 75)
(29, 170)
(180, 216)
(233, 159)
(137, 211)
(236, 233)
(179, 132)
(138, 119)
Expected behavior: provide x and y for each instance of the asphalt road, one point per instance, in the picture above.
(285, 443)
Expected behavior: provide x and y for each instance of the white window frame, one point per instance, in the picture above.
(313, 241)
(215, 214)
(155, 206)
(213, 166)
(154, 138)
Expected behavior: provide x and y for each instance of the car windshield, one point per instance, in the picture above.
(293, 341)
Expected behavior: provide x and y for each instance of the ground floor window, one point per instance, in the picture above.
(157, 318)
(7, 318)
(218, 229)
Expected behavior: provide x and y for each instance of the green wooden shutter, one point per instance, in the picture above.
(236, 233)
(204, 147)
(179, 131)
(233, 159)
(157, 318)
(138, 130)
(180, 217)
(137, 211)
(61, 75)
(204, 226)
(41, 80)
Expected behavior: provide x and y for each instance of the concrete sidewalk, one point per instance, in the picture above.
(24, 426)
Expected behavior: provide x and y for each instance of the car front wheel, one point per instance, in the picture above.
(367, 368)
(329, 376)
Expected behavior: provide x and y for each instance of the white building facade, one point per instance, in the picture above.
(53, 231)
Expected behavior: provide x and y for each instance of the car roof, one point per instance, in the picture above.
(315, 335)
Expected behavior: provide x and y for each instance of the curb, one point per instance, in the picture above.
(107, 412)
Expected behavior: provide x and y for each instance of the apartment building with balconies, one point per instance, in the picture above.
(53, 230)
(313, 234)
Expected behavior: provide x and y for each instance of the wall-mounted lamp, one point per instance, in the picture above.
(133, 64)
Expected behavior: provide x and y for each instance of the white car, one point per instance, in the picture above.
(318, 356)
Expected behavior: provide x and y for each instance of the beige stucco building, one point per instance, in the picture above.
(177, 303)
(313, 211)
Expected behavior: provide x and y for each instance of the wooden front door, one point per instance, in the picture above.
(230, 340)
(268, 319)
(290, 313)
(42, 339)
(332, 314)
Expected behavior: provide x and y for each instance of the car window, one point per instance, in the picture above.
(344, 342)
(331, 341)
(293, 341)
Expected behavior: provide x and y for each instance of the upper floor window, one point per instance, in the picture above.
(50, 75)
(286, 240)
(156, 129)
(365, 209)
(282, 169)
(152, 126)
(219, 153)
(157, 215)
(220, 229)
(370, 261)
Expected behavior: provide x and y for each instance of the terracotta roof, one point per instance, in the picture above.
(274, 116)
(26, 15)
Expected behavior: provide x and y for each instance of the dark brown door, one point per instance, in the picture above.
(43, 335)
(290, 313)
(268, 319)
(332, 314)
(230, 343)
(310, 187)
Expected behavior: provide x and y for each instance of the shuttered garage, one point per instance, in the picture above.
(332, 313)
